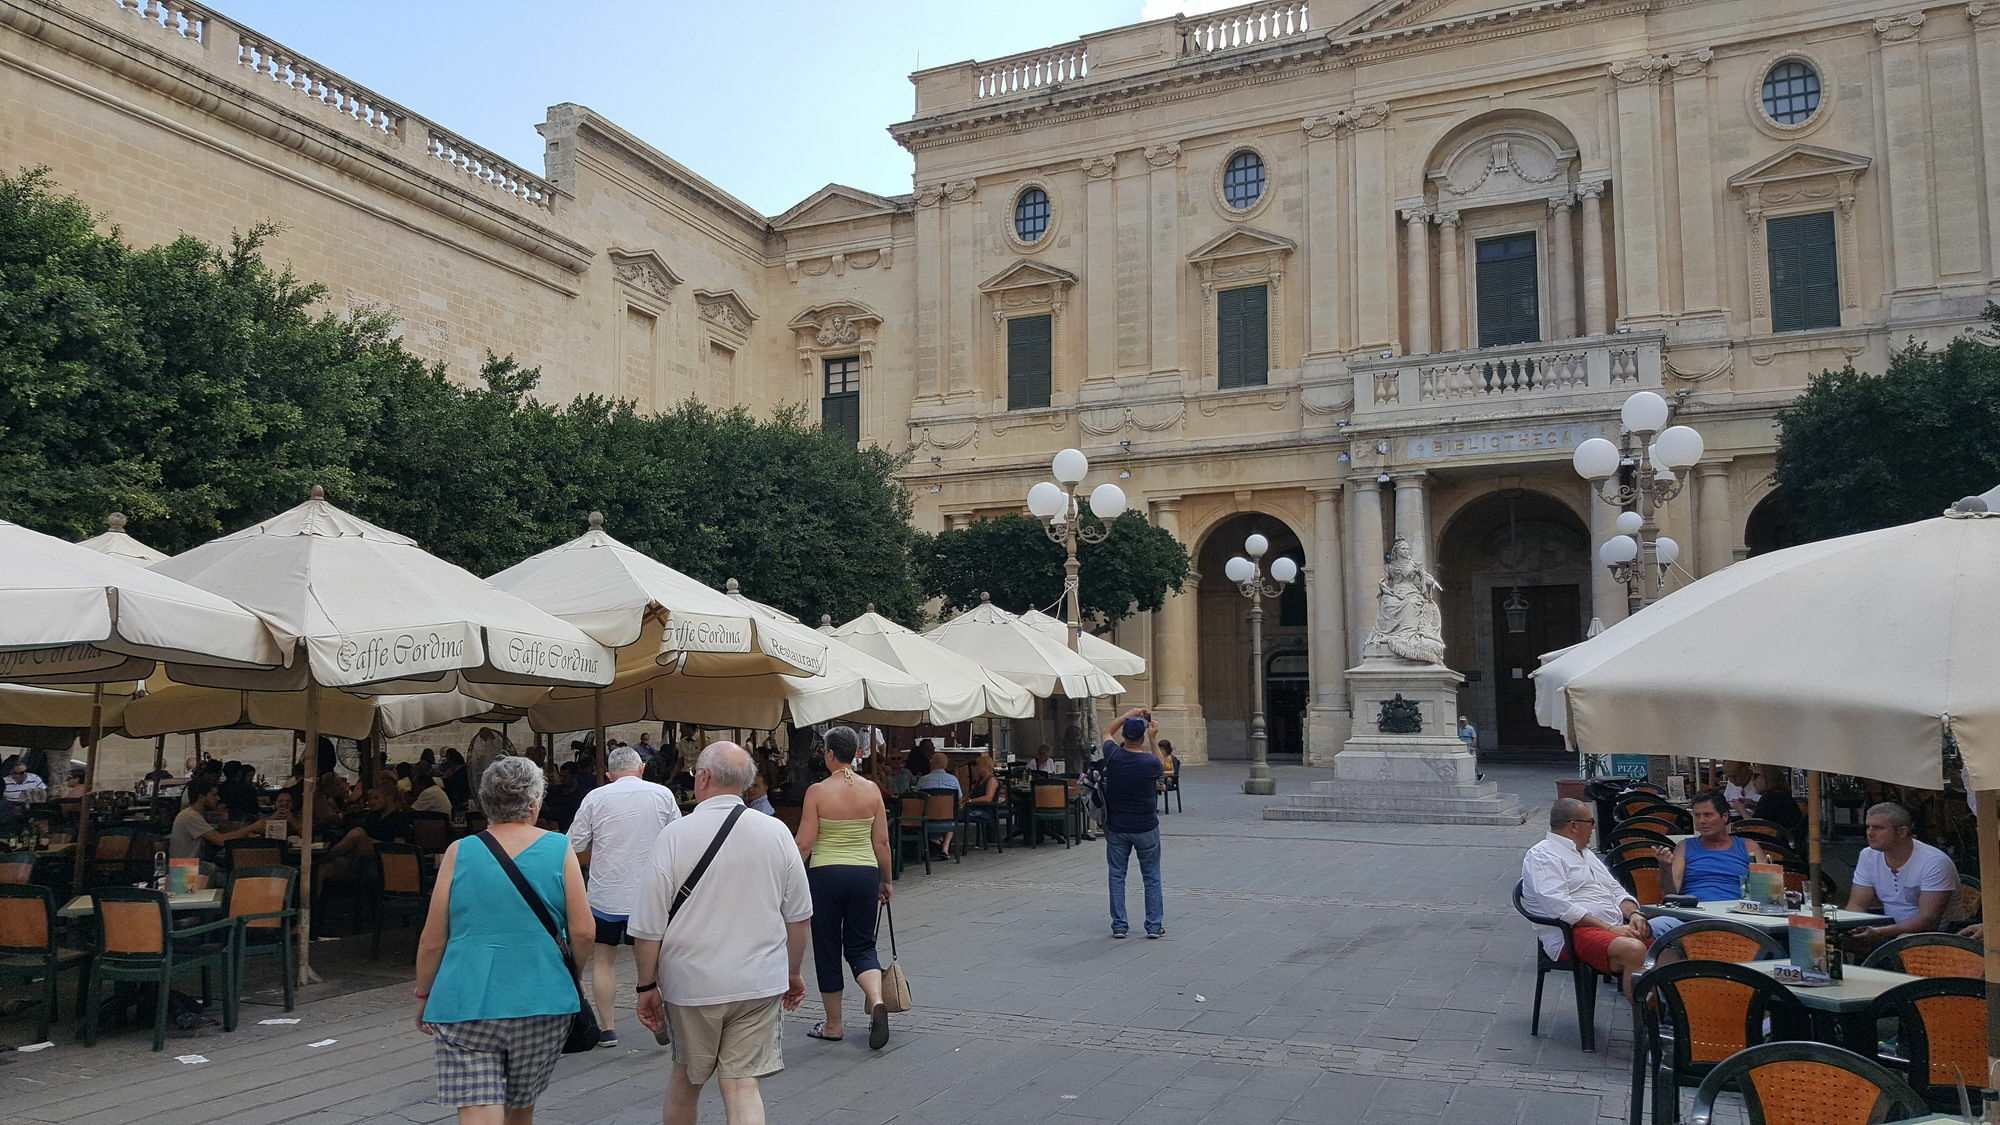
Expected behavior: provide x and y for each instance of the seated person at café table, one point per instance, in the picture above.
(985, 790)
(22, 785)
(76, 787)
(194, 830)
(1045, 761)
(1912, 881)
(238, 795)
(285, 810)
(1712, 864)
(1562, 878)
(427, 794)
(385, 822)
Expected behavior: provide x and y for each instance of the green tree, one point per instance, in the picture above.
(1011, 559)
(1860, 451)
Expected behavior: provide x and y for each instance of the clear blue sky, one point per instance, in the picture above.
(770, 101)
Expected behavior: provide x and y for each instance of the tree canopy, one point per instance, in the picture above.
(1859, 451)
(1012, 559)
(198, 390)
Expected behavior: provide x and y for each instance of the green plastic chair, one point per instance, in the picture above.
(260, 901)
(136, 941)
(28, 950)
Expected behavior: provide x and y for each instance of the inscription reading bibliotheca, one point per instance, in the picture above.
(1501, 441)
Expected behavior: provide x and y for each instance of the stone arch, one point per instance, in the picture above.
(1502, 156)
(1222, 682)
(1498, 545)
(1770, 526)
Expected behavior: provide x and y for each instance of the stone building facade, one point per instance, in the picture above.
(1335, 271)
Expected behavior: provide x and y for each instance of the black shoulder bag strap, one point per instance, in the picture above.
(701, 868)
(535, 904)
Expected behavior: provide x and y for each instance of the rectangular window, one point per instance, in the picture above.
(1805, 272)
(1030, 361)
(1242, 333)
(1509, 292)
(840, 405)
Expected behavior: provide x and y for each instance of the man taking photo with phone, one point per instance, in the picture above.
(1133, 766)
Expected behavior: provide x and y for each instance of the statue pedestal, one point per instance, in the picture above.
(1416, 770)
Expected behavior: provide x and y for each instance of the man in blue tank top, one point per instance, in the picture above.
(1711, 866)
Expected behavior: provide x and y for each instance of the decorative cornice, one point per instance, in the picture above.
(1345, 120)
(1983, 13)
(1163, 155)
(1661, 68)
(1895, 29)
(1099, 166)
(958, 191)
(928, 194)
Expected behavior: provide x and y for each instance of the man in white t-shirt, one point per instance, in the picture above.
(1912, 881)
(618, 825)
(732, 955)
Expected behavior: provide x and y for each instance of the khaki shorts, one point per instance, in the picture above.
(742, 1039)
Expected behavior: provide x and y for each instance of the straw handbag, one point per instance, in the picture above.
(895, 986)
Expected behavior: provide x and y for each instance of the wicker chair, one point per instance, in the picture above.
(17, 868)
(1762, 829)
(1716, 939)
(941, 818)
(1807, 1084)
(1051, 807)
(1930, 955)
(28, 949)
(401, 892)
(1941, 1036)
(253, 852)
(259, 900)
(909, 830)
(1641, 876)
(137, 942)
(1697, 1014)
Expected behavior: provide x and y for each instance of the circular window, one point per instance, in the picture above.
(1243, 180)
(1031, 214)
(1791, 92)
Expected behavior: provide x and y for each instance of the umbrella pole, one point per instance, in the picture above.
(597, 726)
(1989, 909)
(1812, 839)
(159, 756)
(311, 751)
(89, 781)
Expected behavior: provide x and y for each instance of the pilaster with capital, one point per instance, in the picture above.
(1451, 287)
(1163, 196)
(1562, 264)
(1907, 129)
(1413, 513)
(1596, 313)
(1607, 594)
(1328, 721)
(1715, 525)
(1417, 268)
(1176, 688)
(1364, 556)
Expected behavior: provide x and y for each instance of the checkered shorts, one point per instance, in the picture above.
(498, 1062)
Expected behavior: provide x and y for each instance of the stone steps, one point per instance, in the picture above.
(1412, 802)
(1400, 802)
(1391, 816)
(1477, 791)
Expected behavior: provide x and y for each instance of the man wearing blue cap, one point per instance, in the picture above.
(1133, 767)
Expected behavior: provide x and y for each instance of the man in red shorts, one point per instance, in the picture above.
(1562, 878)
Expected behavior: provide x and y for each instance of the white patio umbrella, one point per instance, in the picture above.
(1115, 661)
(115, 542)
(1003, 643)
(961, 688)
(175, 708)
(1858, 655)
(734, 590)
(370, 612)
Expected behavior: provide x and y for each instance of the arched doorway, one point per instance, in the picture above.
(1515, 566)
(1770, 526)
(1221, 612)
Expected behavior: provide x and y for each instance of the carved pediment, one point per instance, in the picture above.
(644, 271)
(1508, 165)
(1027, 275)
(725, 311)
(839, 322)
(1242, 242)
(1799, 162)
(834, 203)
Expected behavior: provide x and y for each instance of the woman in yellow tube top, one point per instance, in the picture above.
(844, 837)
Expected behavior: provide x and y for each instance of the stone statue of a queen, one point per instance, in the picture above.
(1408, 624)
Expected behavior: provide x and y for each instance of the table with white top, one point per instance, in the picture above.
(189, 901)
(1770, 923)
(1838, 1009)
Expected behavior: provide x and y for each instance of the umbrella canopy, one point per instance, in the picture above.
(1003, 643)
(622, 598)
(117, 544)
(175, 708)
(960, 687)
(734, 590)
(1854, 655)
(371, 609)
(1113, 660)
(69, 708)
(69, 614)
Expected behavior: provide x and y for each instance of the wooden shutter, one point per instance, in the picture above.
(1030, 365)
(1509, 291)
(1243, 337)
(1805, 272)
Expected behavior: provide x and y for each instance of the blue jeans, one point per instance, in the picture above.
(1118, 848)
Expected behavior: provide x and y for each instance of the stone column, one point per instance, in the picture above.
(1596, 321)
(1906, 112)
(1562, 264)
(1329, 721)
(1417, 338)
(1176, 690)
(1364, 558)
(1451, 291)
(1607, 596)
(1412, 515)
(1715, 528)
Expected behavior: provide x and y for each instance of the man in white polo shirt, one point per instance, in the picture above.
(618, 825)
(1913, 881)
(718, 969)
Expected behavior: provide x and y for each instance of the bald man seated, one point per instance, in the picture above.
(1562, 878)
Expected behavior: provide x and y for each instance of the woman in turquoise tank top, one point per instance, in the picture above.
(492, 988)
(844, 836)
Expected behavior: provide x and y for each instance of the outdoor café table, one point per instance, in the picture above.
(1770, 923)
(1839, 1010)
(190, 901)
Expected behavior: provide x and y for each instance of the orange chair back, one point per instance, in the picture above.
(1760, 831)
(430, 834)
(114, 847)
(1954, 1036)
(1801, 1092)
(401, 873)
(256, 857)
(1942, 961)
(1716, 1012)
(912, 810)
(1712, 945)
(132, 928)
(16, 870)
(940, 806)
(1665, 826)
(1968, 901)
(1051, 796)
(24, 923)
(257, 894)
(1645, 885)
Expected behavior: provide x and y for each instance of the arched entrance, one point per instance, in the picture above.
(1770, 526)
(1221, 613)
(1515, 566)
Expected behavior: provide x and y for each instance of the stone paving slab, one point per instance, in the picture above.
(1313, 972)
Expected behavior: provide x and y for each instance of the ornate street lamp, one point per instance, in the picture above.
(1055, 504)
(1248, 574)
(1639, 476)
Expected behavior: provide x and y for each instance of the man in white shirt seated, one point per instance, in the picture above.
(23, 786)
(1562, 878)
(617, 824)
(1912, 881)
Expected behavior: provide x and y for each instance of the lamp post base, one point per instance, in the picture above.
(1259, 786)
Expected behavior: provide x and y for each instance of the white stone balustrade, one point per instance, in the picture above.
(1518, 378)
(1032, 70)
(316, 82)
(184, 20)
(483, 165)
(1246, 26)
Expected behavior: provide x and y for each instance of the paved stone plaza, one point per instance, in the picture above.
(1312, 972)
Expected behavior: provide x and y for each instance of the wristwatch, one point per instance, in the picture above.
(645, 988)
